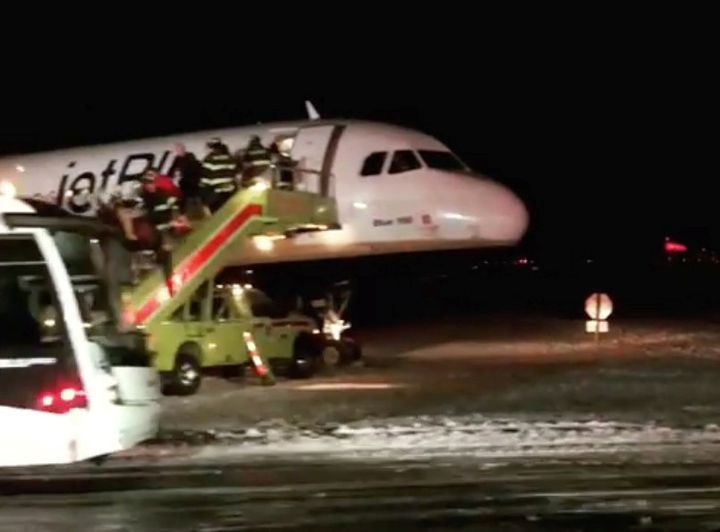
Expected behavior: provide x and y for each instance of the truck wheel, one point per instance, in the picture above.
(333, 354)
(185, 377)
(305, 359)
(337, 353)
(352, 351)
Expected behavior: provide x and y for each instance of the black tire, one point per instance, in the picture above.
(334, 354)
(352, 351)
(281, 367)
(339, 353)
(185, 377)
(305, 358)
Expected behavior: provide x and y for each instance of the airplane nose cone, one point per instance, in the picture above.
(509, 218)
(489, 210)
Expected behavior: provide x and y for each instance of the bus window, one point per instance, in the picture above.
(404, 161)
(35, 355)
(98, 268)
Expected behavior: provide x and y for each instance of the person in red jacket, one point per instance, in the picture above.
(163, 183)
(160, 196)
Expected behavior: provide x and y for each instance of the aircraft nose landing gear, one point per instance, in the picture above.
(339, 349)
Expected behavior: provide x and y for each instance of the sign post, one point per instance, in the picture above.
(598, 307)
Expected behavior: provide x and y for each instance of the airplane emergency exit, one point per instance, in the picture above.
(396, 189)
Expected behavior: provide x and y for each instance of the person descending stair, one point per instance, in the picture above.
(160, 196)
(188, 173)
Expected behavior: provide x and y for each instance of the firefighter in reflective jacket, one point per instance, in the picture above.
(160, 196)
(256, 162)
(219, 170)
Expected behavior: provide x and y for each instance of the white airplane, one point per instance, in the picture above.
(397, 190)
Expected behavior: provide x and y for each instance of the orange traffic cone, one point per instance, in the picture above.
(261, 369)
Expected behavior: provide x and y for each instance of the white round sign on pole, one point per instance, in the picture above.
(598, 306)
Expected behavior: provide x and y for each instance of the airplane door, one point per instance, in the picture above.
(314, 150)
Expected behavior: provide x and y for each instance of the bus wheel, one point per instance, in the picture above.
(185, 377)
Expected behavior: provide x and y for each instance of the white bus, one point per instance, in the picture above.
(72, 386)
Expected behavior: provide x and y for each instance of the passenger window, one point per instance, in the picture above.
(404, 161)
(374, 163)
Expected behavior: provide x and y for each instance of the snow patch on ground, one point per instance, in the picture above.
(474, 349)
(425, 436)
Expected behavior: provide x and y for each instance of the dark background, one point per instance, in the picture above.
(604, 122)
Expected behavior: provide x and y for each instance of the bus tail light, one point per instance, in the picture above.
(62, 399)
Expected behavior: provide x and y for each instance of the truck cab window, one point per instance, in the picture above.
(262, 305)
(374, 163)
(404, 161)
(196, 303)
(220, 310)
(179, 314)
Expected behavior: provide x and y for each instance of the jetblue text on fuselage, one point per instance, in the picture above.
(79, 188)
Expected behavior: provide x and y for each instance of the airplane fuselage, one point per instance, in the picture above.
(397, 190)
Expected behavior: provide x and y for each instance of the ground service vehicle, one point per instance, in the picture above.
(72, 385)
(209, 330)
(181, 317)
(192, 325)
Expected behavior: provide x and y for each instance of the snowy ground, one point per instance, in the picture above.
(515, 424)
(482, 386)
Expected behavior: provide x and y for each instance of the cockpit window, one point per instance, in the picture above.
(442, 160)
(404, 161)
(374, 163)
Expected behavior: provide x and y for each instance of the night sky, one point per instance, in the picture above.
(609, 129)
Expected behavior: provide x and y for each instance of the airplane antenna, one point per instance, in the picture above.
(311, 111)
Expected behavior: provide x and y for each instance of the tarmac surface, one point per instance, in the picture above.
(497, 423)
